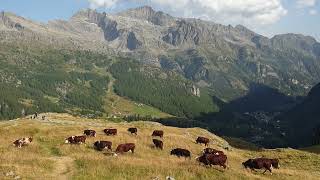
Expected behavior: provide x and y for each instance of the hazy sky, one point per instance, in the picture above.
(267, 17)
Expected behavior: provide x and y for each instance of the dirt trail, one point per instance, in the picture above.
(63, 168)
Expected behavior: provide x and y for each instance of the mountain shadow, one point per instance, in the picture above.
(250, 117)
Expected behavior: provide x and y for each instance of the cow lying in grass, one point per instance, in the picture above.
(101, 145)
(89, 133)
(181, 153)
(22, 142)
(76, 140)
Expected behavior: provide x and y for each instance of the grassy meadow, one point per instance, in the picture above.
(49, 158)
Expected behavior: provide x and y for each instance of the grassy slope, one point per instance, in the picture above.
(49, 158)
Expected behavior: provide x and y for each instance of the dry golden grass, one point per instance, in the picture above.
(49, 158)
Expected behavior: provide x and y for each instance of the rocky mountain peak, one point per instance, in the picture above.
(147, 13)
(294, 41)
(7, 22)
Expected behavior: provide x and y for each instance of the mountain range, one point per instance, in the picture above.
(185, 67)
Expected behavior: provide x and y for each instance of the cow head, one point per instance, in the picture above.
(30, 139)
(275, 163)
(68, 140)
(96, 143)
(198, 158)
(248, 163)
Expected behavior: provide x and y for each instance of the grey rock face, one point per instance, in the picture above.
(148, 14)
(6, 21)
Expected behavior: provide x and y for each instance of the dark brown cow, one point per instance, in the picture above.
(80, 139)
(158, 133)
(261, 163)
(22, 142)
(212, 151)
(181, 152)
(203, 140)
(122, 148)
(158, 143)
(75, 140)
(90, 133)
(212, 159)
(133, 131)
(101, 145)
(110, 132)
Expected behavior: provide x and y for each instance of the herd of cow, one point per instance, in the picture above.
(209, 156)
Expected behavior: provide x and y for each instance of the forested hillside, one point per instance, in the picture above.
(167, 91)
(35, 79)
(42, 79)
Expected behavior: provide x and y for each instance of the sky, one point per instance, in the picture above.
(267, 17)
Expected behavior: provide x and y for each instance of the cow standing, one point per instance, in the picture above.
(158, 133)
(202, 140)
(122, 148)
(212, 159)
(133, 131)
(181, 152)
(262, 163)
(158, 143)
(110, 132)
(90, 133)
(101, 145)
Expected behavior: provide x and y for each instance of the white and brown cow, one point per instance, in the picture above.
(22, 142)
(76, 140)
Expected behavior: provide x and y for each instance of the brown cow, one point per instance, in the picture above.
(181, 152)
(125, 148)
(133, 131)
(158, 143)
(158, 133)
(22, 142)
(75, 140)
(110, 132)
(212, 159)
(262, 163)
(90, 133)
(203, 140)
(212, 151)
(101, 145)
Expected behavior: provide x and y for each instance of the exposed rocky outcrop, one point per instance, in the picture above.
(148, 14)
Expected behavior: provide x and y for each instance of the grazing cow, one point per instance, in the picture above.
(110, 132)
(157, 133)
(101, 145)
(203, 140)
(133, 131)
(158, 143)
(181, 153)
(75, 140)
(212, 151)
(262, 163)
(22, 142)
(212, 159)
(91, 133)
(125, 148)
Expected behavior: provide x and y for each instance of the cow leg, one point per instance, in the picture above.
(264, 171)
(252, 169)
